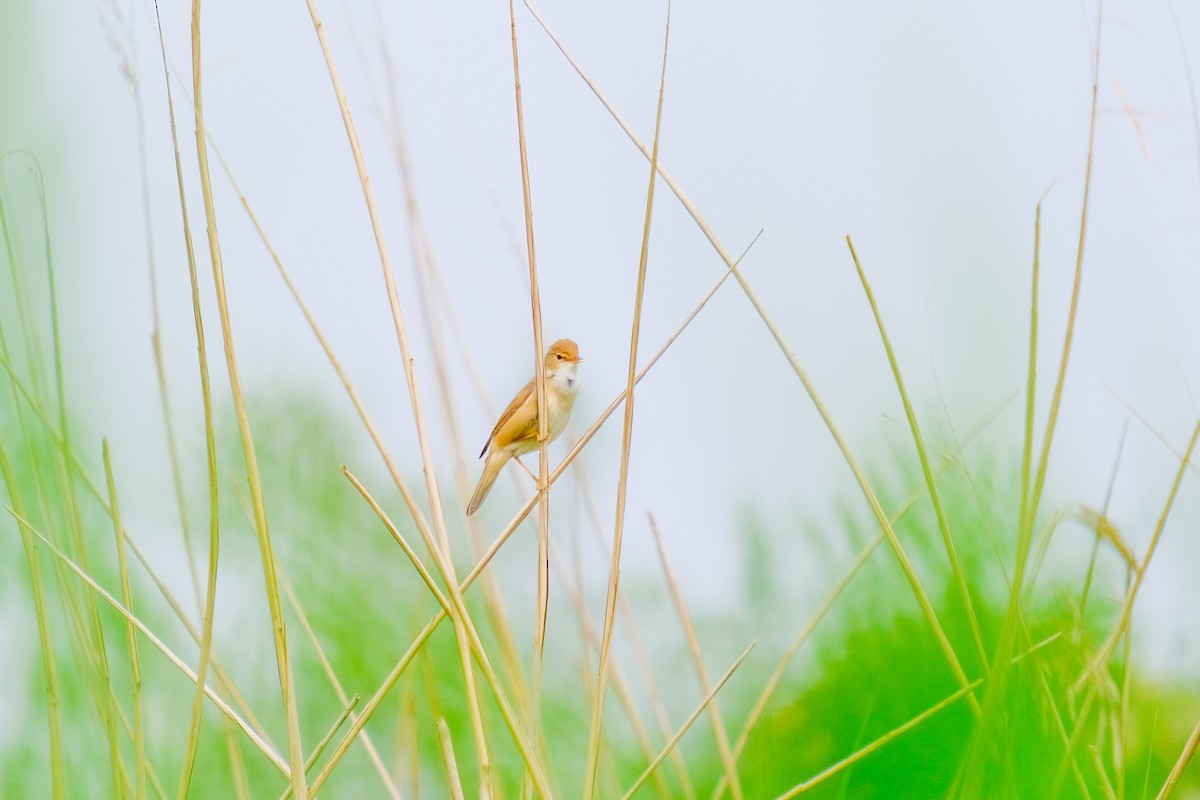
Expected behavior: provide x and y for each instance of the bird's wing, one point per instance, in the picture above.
(512, 411)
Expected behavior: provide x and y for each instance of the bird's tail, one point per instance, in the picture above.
(491, 470)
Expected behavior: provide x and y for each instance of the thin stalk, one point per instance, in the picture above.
(1081, 718)
(60, 500)
(223, 677)
(208, 606)
(831, 596)
(302, 618)
(614, 571)
(58, 781)
(160, 370)
(1181, 763)
(590, 638)
(179, 663)
(432, 295)
(68, 501)
(772, 684)
(543, 486)
(728, 758)
(406, 720)
(1060, 728)
(347, 710)
(1104, 652)
(862, 753)
(776, 334)
(653, 691)
(58, 778)
(267, 553)
(440, 546)
(447, 748)
(30, 339)
(389, 681)
(960, 576)
(1025, 520)
(1121, 739)
(1098, 766)
(1029, 510)
(237, 765)
(139, 729)
(474, 642)
(393, 469)
(708, 698)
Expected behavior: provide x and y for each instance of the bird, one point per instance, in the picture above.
(516, 432)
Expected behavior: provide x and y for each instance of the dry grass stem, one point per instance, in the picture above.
(473, 642)
(173, 457)
(368, 743)
(267, 553)
(590, 638)
(1045, 668)
(224, 707)
(728, 757)
(543, 562)
(868, 492)
(435, 300)
(614, 570)
(1105, 651)
(637, 646)
(447, 747)
(440, 546)
(389, 681)
(1185, 758)
(226, 684)
(207, 603)
(688, 724)
(347, 711)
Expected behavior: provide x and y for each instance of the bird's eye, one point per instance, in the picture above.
(558, 356)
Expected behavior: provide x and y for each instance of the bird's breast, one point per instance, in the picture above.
(560, 404)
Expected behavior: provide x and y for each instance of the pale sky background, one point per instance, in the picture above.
(927, 131)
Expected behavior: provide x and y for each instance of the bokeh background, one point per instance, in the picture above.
(928, 133)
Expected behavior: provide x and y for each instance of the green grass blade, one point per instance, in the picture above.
(139, 728)
(145, 630)
(960, 577)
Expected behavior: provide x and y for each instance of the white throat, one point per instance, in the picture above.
(566, 378)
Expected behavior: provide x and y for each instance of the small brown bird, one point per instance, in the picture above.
(516, 432)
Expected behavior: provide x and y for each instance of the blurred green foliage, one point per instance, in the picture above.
(877, 666)
(871, 666)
